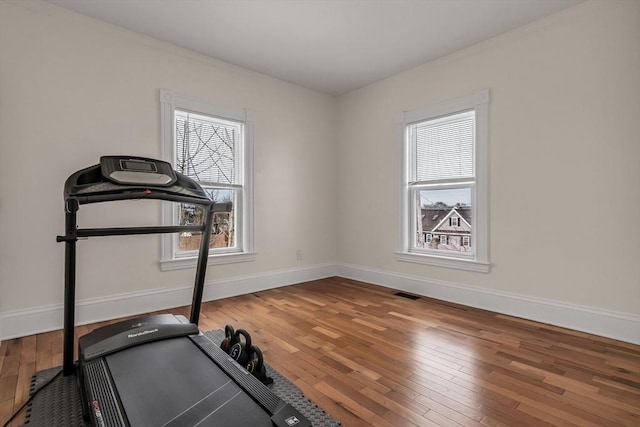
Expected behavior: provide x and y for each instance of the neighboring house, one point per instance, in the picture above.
(446, 228)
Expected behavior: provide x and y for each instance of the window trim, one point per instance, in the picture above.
(479, 102)
(169, 102)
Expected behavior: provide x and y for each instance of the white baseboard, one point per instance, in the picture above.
(619, 326)
(20, 323)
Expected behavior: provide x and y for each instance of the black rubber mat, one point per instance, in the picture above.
(58, 403)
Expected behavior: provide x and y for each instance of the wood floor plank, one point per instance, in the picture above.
(371, 358)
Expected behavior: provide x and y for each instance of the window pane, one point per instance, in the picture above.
(206, 147)
(444, 147)
(223, 234)
(446, 216)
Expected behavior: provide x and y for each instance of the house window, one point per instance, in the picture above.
(443, 182)
(466, 241)
(213, 146)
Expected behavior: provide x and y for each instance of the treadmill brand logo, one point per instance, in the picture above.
(139, 334)
(291, 421)
(97, 413)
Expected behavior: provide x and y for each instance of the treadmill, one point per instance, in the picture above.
(156, 370)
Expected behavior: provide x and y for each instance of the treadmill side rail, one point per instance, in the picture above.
(100, 401)
(282, 413)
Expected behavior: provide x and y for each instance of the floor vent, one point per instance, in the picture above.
(405, 295)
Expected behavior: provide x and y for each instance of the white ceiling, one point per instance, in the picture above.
(332, 46)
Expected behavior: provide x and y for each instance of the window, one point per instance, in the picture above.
(443, 184)
(213, 146)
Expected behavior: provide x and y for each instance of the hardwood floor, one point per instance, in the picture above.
(370, 358)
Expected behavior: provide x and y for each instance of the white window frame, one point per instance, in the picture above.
(405, 206)
(244, 251)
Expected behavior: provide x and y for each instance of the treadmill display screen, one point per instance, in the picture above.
(133, 165)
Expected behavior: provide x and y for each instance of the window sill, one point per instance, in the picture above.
(184, 263)
(438, 261)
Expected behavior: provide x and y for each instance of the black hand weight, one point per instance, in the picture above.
(239, 351)
(256, 365)
(229, 338)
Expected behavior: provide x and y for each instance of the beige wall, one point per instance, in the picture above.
(73, 89)
(564, 143)
(564, 158)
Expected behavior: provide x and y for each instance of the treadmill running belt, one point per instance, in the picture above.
(173, 383)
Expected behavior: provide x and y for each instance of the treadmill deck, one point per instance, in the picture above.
(59, 405)
(172, 383)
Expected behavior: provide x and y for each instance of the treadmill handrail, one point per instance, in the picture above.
(146, 193)
(153, 229)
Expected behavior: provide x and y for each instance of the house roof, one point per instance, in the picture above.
(431, 217)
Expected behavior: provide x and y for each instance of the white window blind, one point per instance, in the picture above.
(206, 148)
(445, 148)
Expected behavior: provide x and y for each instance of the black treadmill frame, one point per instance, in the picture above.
(90, 186)
(77, 192)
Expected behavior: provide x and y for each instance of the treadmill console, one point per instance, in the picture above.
(137, 171)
